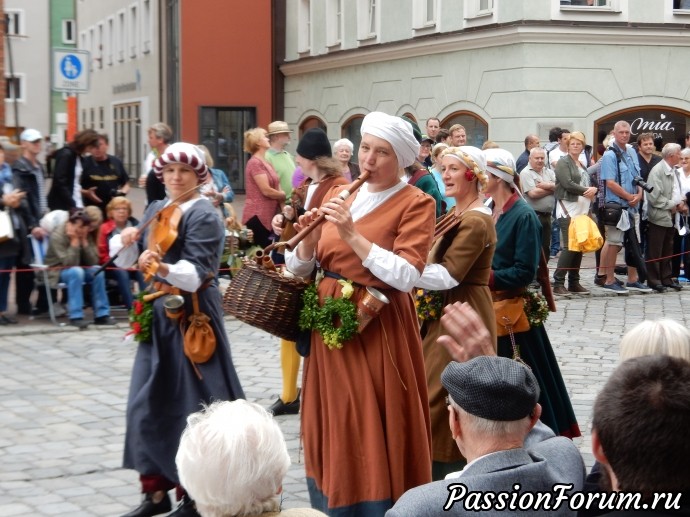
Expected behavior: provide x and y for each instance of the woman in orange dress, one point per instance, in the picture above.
(365, 414)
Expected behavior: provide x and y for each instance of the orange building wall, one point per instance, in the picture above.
(225, 59)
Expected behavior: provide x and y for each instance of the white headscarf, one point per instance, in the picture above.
(501, 164)
(396, 132)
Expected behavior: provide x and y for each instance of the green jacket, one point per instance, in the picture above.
(660, 200)
(61, 254)
(568, 180)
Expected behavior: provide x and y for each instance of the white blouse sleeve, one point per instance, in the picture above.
(127, 257)
(183, 275)
(436, 277)
(298, 267)
(391, 268)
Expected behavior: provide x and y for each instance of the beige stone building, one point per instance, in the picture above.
(502, 68)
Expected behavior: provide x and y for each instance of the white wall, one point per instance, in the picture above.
(31, 59)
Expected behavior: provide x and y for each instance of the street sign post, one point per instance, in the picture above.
(70, 70)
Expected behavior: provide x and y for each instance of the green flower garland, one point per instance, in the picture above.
(536, 308)
(322, 319)
(141, 319)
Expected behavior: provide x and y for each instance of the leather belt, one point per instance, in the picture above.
(507, 294)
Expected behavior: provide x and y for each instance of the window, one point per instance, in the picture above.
(476, 128)
(126, 142)
(120, 38)
(133, 31)
(367, 19)
(110, 41)
(424, 13)
(14, 88)
(90, 41)
(146, 26)
(101, 117)
(98, 50)
(351, 130)
(14, 22)
(590, 4)
(312, 122)
(304, 36)
(681, 4)
(479, 8)
(221, 130)
(334, 32)
(68, 32)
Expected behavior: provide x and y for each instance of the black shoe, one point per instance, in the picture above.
(674, 285)
(80, 323)
(6, 320)
(659, 288)
(148, 508)
(105, 320)
(185, 508)
(281, 408)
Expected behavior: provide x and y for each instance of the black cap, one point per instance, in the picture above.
(314, 144)
(415, 128)
(493, 388)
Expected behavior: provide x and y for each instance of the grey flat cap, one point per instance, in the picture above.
(494, 388)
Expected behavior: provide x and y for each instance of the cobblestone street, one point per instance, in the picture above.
(63, 393)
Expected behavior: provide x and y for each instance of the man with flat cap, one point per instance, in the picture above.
(511, 455)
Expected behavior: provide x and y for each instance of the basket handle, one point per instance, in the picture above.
(263, 257)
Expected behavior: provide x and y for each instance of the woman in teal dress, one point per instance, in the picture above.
(514, 266)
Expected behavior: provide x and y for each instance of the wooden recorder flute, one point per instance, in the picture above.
(294, 241)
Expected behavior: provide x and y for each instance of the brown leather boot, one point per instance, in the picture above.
(577, 288)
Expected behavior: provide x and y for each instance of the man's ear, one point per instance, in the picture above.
(598, 449)
(600, 456)
(454, 422)
(535, 416)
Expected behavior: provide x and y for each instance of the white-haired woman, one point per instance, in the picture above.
(232, 460)
(342, 151)
(514, 266)
(365, 414)
(166, 386)
(681, 243)
(459, 266)
(436, 171)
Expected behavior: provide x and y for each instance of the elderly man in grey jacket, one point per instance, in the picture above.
(660, 209)
(513, 460)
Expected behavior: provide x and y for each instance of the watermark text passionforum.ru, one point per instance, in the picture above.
(559, 497)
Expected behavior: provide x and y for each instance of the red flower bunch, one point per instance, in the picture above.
(141, 319)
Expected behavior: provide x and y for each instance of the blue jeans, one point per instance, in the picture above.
(6, 264)
(123, 278)
(555, 237)
(75, 277)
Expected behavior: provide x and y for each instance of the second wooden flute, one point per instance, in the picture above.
(294, 241)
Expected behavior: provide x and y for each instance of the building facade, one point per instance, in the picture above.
(124, 97)
(206, 68)
(501, 68)
(27, 66)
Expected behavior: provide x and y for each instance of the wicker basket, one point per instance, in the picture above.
(265, 299)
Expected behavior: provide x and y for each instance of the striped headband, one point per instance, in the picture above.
(182, 152)
(501, 164)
